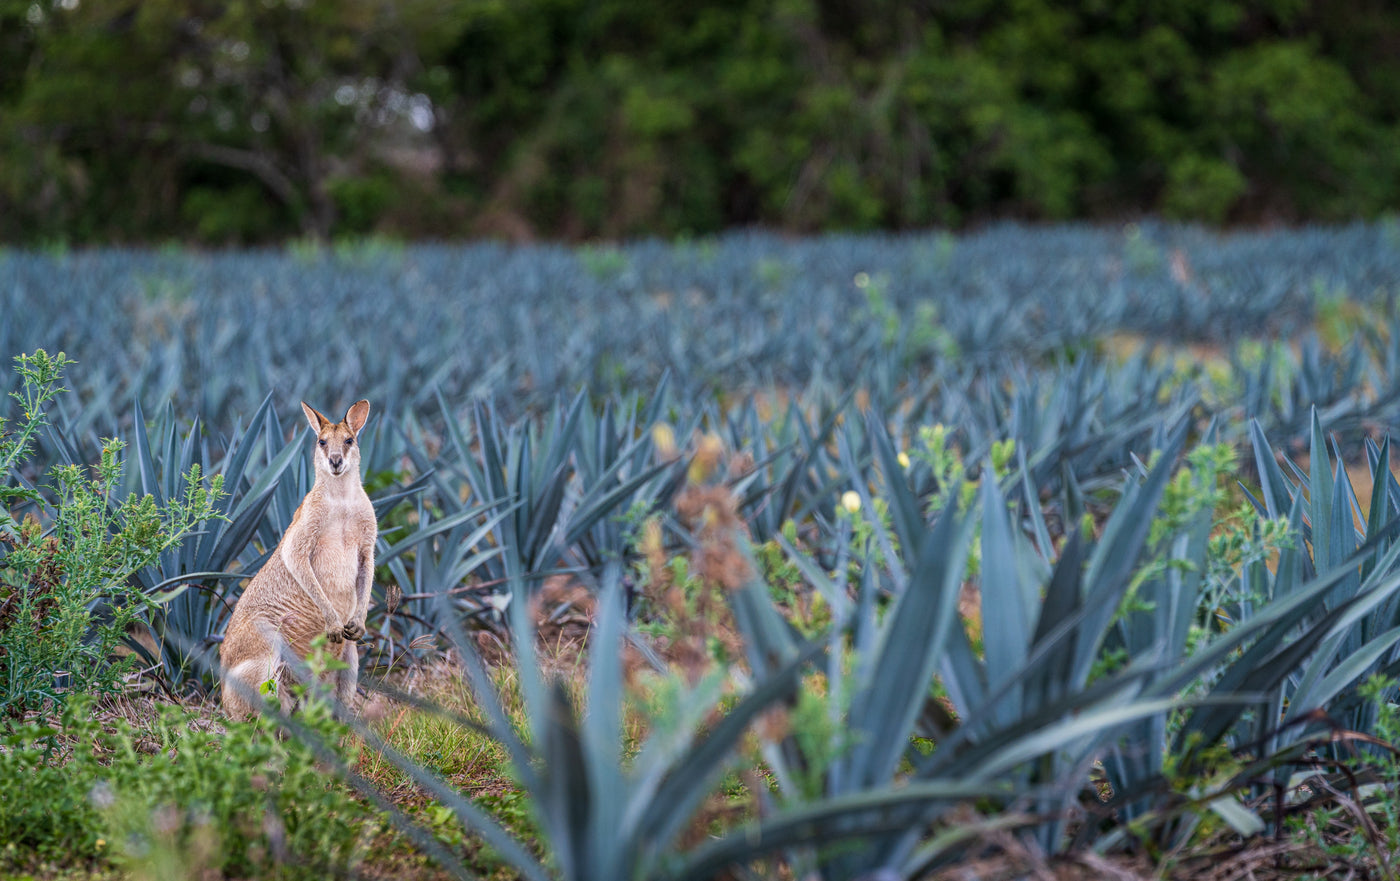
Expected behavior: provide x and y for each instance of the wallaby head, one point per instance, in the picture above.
(338, 443)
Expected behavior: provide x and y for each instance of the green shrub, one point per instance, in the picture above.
(176, 796)
(229, 215)
(1201, 187)
(65, 596)
(360, 201)
(1362, 830)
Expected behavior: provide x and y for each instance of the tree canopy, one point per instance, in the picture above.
(255, 120)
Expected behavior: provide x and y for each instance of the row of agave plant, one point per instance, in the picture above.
(1136, 648)
(526, 324)
(480, 498)
(1349, 372)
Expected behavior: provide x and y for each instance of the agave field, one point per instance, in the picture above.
(1028, 550)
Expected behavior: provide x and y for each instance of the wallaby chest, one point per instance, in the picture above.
(344, 525)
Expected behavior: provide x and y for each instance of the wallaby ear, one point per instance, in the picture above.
(314, 417)
(357, 414)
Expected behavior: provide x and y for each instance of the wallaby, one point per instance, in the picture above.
(316, 581)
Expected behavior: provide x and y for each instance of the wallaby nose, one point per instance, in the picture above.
(336, 461)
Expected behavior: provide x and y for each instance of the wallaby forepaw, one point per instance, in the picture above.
(353, 631)
(334, 637)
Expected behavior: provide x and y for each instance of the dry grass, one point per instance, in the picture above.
(456, 752)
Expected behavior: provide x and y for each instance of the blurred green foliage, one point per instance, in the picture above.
(238, 122)
(166, 794)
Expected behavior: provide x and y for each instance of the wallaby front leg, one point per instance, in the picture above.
(298, 563)
(364, 581)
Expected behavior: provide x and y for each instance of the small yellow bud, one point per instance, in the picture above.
(850, 500)
(100, 843)
(707, 455)
(665, 439)
(903, 460)
(651, 538)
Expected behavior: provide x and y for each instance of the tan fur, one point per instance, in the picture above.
(316, 581)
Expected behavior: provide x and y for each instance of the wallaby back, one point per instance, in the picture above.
(316, 581)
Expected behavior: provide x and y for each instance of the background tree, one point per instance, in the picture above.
(238, 122)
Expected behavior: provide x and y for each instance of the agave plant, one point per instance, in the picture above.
(561, 490)
(1279, 388)
(794, 475)
(431, 567)
(1281, 677)
(1022, 713)
(619, 473)
(1321, 503)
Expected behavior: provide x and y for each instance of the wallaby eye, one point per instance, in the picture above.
(323, 442)
(349, 441)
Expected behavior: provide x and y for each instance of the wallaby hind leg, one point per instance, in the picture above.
(241, 685)
(248, 658)
(346, 680)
